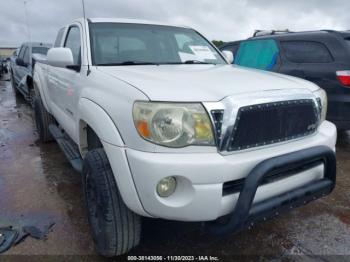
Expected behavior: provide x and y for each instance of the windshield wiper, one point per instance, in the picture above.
(189, 62)
(129, 63)
(195, 62)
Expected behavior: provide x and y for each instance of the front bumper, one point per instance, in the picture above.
(200, 176)
(245, 213)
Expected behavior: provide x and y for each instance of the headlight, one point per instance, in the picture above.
(173, 124)
(322, 97)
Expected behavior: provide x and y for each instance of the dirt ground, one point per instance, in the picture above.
(38, 187)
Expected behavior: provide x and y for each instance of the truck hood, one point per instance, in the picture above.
(204, 83)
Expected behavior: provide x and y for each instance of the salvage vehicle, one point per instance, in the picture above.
(322, 57)
(22, 70)
(3, 67)
(162, 126)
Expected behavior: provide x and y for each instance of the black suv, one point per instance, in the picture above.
(322, 57)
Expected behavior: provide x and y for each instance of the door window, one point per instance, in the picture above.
(21, 52)
(260, 54)
(26, 56)
(73, 42)
(306, 52)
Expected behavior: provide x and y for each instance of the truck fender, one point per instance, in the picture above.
(100, 122)
(91, 114)
(40, 85)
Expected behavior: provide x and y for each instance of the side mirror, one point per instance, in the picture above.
(60, 57)
(229, 56)
(20, 62)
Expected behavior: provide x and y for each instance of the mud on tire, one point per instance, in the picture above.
(42, 120)
(115, 228)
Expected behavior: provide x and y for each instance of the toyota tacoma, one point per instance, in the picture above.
(161, 125)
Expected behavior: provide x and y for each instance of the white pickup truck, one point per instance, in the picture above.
(162, 125)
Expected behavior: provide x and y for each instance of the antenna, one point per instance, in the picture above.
(83, 3)
(86, 38)
(26, 20)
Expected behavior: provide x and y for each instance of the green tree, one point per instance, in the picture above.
(218, 43)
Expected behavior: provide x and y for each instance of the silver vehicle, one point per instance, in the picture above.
(22, 68)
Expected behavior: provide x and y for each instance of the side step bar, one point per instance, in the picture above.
(68, 147)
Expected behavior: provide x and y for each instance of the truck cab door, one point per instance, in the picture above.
(16, 68)
(20, 68)
(65, 83)
(23, 71)
(292, 69)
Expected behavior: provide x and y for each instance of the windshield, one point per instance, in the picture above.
(40, 50)
(132, 44)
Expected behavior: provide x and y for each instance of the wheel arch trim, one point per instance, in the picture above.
(94, 116)
(39, 88)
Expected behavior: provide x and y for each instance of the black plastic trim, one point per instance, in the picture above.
(245, 213)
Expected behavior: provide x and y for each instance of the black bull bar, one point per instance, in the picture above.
(246, 214)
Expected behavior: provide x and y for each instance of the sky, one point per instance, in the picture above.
(217, 19)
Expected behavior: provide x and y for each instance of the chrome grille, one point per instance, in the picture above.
(217, 116)
(268, 123)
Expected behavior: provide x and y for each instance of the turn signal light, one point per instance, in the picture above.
(142, 128)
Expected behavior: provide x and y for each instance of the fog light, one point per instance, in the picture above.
(166, 186)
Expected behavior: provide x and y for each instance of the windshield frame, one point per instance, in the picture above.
(40, 47)
(168, 63)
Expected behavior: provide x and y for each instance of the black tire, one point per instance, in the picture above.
(115, 228)
(42, 120)
(31, 97)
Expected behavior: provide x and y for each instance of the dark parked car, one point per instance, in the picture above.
(3, 67)
(22, 69)
(322, 57)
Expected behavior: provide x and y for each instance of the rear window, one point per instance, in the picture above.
(40, 50)
(306, 52)
(259, 54)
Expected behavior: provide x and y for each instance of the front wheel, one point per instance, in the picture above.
(115, 228)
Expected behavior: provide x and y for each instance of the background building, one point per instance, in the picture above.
(6, 51)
